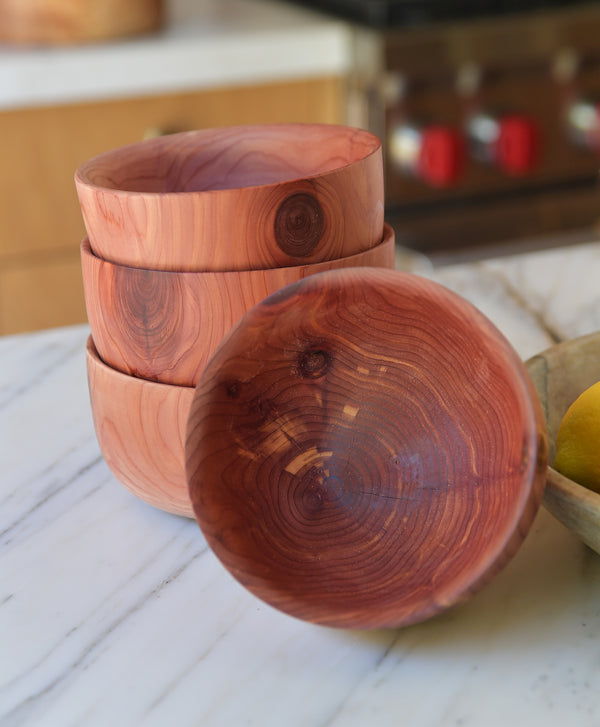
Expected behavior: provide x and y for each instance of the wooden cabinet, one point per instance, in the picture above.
(40, 221)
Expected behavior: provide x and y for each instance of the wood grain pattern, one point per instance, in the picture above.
(235, 198)
(164, 325)
(365, 449)
(140, 426)
(60, 22)
(560, 375)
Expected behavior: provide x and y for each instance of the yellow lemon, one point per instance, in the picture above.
(578, 440)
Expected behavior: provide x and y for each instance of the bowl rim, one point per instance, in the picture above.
(566, 486)
(93, 355)
(82, 179)
(388, 238)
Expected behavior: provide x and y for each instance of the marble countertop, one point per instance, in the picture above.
(113, 613)
(204, 43)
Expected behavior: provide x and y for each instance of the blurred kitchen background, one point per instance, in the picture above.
(489, 114)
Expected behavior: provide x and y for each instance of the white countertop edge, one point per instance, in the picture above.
(205, 53)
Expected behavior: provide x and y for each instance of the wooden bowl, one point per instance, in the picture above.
(560, 374)
(365, 449)
(65, 22)
(235, 198)
(140, 426)
(164, 325)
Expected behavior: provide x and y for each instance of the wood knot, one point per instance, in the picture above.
(299, 224)
(318, 490)
(232, 389)
(313, 363)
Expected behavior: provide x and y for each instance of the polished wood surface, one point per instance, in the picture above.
(245, 197)
(140, 426)
(560, 375)
(365, 449)
(164, 325)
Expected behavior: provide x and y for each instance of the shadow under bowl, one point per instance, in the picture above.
(560, 375)
(235, 198)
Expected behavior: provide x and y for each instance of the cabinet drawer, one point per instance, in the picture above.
(41, 295)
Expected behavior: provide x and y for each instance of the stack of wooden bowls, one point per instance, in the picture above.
(186, 233)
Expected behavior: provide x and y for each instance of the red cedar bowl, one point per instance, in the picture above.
(164, 326)
(140, 426)
(235, 198)
(560, 375)
(365, 449)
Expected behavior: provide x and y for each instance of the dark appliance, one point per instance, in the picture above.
(489, 115)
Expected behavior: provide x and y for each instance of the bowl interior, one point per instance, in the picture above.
(364, 449)
(560, 374)
(229, 158)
